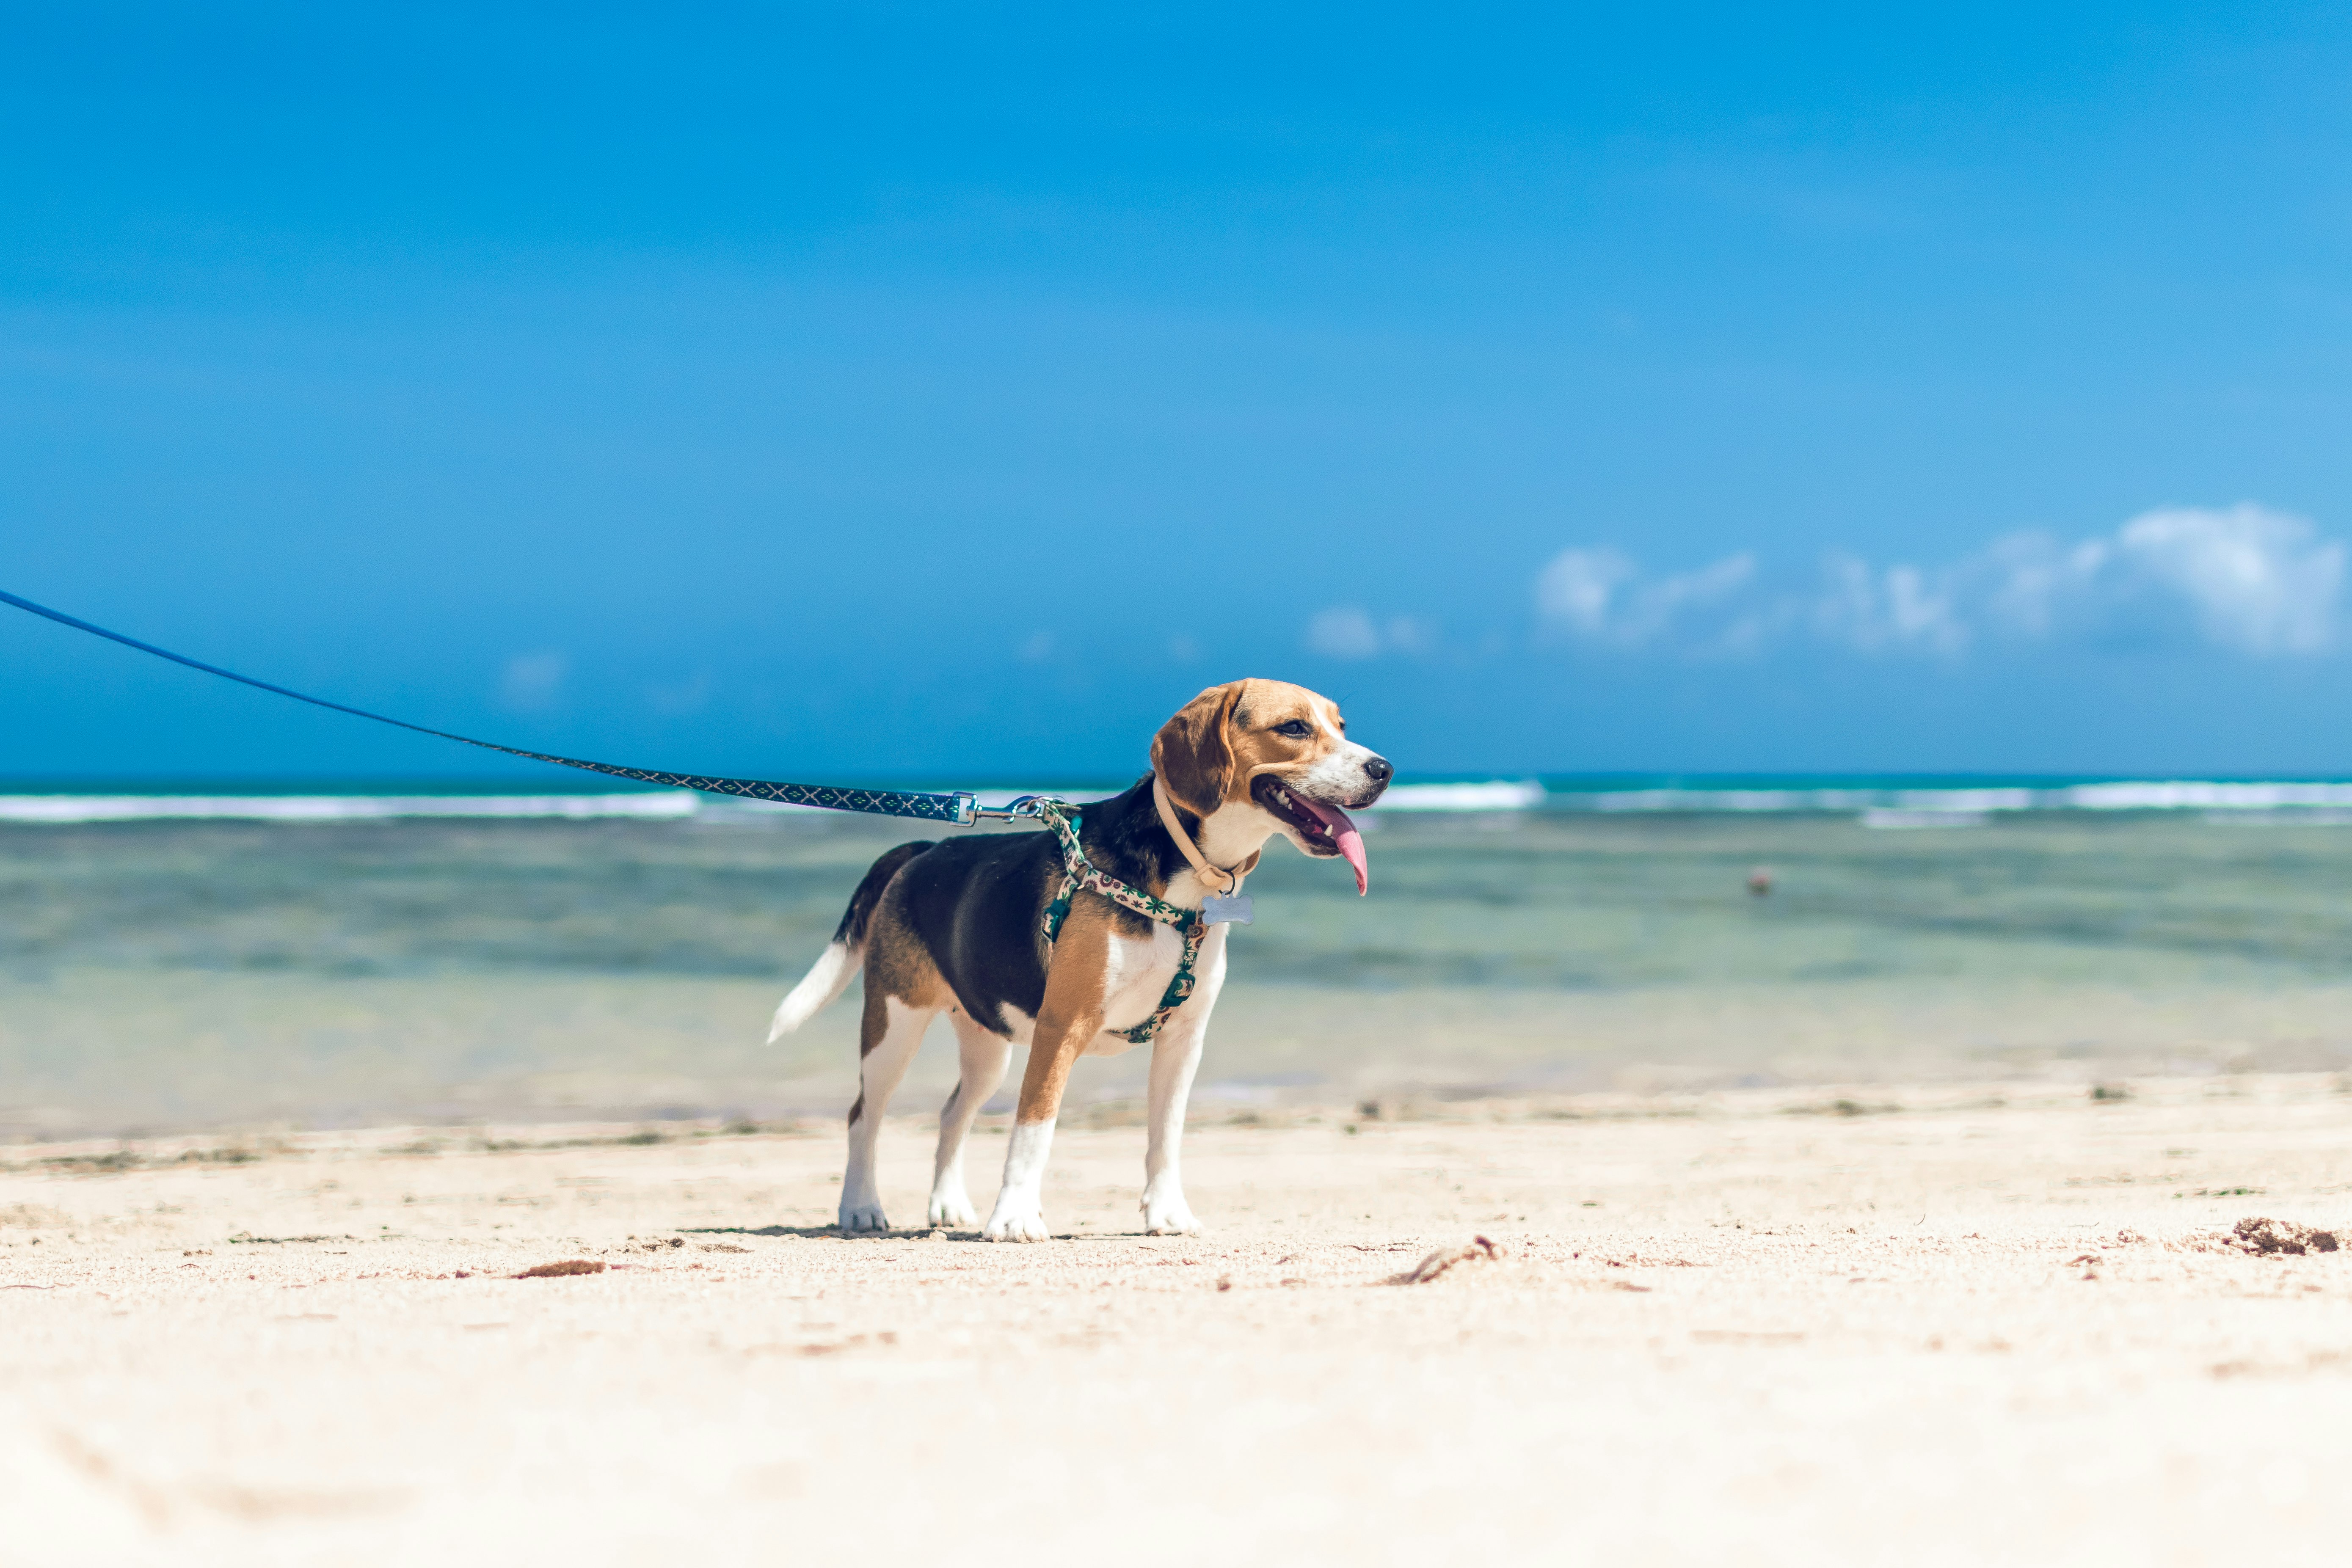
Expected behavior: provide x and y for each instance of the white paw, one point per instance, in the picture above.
(1018, 1220)
(862, 1217)
(1165, 1212)
(1169, 1219)
(954, 1211)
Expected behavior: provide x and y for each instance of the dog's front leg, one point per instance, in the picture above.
(1020, 1212)
(1067, 1022)
(1175, 1057)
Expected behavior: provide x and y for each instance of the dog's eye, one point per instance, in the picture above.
(1295, 728)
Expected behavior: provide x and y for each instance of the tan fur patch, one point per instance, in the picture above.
(1222, 740)
(897, 964)
(1072, 1013)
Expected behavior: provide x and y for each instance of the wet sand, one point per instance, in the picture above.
(1950, 1323)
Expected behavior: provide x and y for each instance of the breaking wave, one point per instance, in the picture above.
(1879, 802)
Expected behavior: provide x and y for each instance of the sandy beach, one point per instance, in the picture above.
(1945, 1323)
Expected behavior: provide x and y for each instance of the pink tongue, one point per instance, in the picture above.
(1344, 833)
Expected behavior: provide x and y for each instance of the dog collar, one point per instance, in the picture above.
(1216, 878)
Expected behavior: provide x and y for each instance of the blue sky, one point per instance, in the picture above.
(873, 391)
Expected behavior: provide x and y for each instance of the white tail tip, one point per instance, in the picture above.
(827, 979)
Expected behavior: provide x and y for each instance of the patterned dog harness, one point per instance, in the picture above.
(1078, 872)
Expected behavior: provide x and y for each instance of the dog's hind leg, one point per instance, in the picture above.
(892, 1028)
(984, 1055)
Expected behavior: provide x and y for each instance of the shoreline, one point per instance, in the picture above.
(1437, 1105)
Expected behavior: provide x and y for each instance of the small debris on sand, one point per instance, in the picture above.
(568, 1266)
(2268, 1235)
(1438, 1262)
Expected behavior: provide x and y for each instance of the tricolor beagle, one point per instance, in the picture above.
(955, 928)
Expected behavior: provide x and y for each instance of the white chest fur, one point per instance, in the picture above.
(1136, 972)
(1134, 978)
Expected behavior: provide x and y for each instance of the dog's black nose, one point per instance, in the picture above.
(1378, 770)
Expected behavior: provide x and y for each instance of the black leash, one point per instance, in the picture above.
(960, 806)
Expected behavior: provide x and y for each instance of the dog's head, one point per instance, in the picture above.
(1280, 751)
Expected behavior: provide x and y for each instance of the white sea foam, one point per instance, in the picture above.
(1525, 794)
(70, 808)
(1880, 806)
(2180, 794)
(1884, 807)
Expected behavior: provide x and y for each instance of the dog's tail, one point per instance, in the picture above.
(846, 953)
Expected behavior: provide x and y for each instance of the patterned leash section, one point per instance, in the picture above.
(958, 807)
(1078, 873)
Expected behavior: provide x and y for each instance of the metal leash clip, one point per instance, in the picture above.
(968, 809)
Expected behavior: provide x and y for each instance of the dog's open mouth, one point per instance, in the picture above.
(1323, 828)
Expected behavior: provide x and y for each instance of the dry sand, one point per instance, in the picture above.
(1734, 1328)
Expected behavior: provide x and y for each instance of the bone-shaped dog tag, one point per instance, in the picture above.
(1220, 909)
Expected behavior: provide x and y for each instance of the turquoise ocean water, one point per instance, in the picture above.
(241, 953)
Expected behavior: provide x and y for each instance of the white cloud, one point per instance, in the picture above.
(2244, 578)
(2032, 579)
(2259, 581)
(1411, 634)
(1575, 589)
(532, 681)
(1035, 648)
(1346, 631)
(1896, 608)
(1655, 607)
(1343, 633)
(1603, 596)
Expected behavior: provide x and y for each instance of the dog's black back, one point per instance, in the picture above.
(976, 904)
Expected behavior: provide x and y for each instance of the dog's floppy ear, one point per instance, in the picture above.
(1193, 752)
